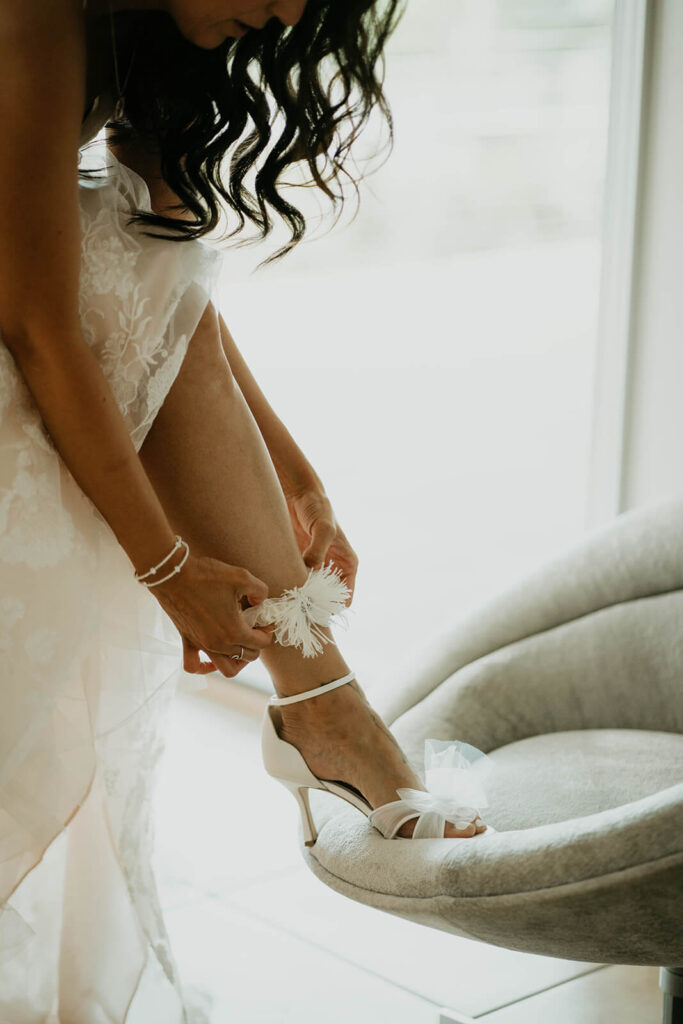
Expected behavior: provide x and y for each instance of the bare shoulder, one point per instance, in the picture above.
(43, 57)
(43, 61)
(35, 31)
(36, 18)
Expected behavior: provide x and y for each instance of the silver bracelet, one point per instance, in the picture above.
(140, 577)
(173, 571)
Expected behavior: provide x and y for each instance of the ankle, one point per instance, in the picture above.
(335, 703)
(294, 684)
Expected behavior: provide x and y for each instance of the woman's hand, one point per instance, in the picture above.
(318, 534)
(205, 601)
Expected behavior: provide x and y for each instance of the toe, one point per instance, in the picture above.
(450, 831)
(459, 833)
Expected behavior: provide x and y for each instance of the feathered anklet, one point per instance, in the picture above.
(300, 612)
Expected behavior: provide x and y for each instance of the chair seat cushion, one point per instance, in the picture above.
(566, 806)
(557, 776)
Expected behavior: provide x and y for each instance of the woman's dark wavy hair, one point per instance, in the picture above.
(317, 81)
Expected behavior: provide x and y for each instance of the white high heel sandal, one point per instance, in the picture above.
(452, 769)
(432, 807)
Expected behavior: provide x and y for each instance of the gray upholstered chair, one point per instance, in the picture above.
(572, 682)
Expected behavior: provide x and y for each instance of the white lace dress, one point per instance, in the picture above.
(88, 659)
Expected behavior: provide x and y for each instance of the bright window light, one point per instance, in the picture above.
(434, 357)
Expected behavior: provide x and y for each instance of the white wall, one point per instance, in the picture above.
(653, 439)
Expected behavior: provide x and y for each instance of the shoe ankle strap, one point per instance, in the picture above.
(312, 693)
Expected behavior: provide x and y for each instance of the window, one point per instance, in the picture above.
(434, 358)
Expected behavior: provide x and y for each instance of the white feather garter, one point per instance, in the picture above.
(454, 777)
(300, 612)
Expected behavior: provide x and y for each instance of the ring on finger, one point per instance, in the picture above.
(240, 656)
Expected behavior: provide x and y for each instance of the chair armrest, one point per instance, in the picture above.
(637, 555)
(619, 667)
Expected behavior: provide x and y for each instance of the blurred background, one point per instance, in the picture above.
(434, 356)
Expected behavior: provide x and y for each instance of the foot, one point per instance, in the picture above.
(342, 739)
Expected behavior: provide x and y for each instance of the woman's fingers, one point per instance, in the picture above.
(226, 664)
(224, 659)
(229, 666)
(192, 661)
(245, 654)
(349, 569)
(249, 636)
(251, 587)
(323, 533)
(244, 640)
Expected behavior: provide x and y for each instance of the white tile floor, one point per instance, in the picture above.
(256, 974)
(259, 939)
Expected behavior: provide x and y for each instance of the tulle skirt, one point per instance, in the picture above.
(88, 659)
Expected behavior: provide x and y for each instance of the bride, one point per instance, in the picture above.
(152, 504)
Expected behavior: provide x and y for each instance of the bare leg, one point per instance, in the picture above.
(210, 466)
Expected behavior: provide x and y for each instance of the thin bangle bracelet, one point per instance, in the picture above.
(152, 571)
(173, 571)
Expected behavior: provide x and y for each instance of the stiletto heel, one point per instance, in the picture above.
(307, 822)
(448, 765)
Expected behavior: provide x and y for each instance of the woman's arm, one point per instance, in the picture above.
(42, 55)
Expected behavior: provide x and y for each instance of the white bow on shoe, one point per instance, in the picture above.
(454, 776)
(454, 773)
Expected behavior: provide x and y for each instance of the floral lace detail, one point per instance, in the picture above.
(22, 515)
(29, 491)
(11, 611)
(107, 260)
(130, 754)
(136, 297)
(41, 645)
(88, 656)
(120, 333)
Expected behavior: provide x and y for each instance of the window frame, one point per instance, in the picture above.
(621, 243)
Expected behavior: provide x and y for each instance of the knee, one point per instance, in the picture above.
(207, 344)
